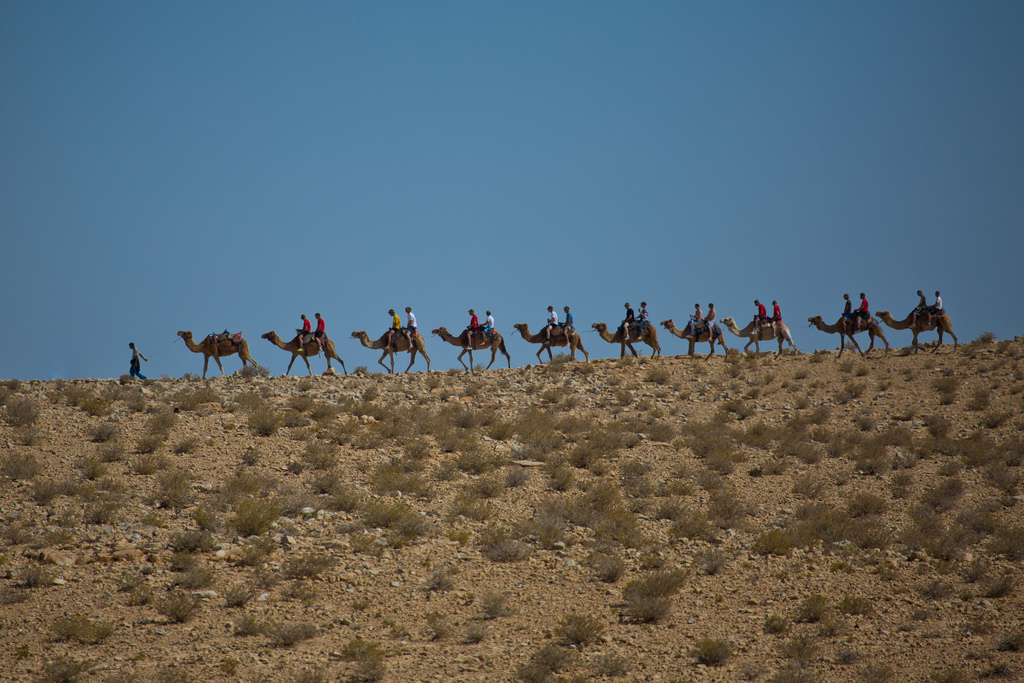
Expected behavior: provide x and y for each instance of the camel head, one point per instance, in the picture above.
(521, 327)
(600, 327)
(184, 334)
(440, 330)
(815, 320)
(668, 324)
(728, 322)
(269, 336)
(359, 335)
(883, 315)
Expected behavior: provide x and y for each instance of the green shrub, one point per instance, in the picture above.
(254, 516)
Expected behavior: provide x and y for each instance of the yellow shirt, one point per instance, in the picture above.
(396, 324)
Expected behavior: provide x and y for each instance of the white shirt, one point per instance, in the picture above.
(489, 322)
(412, 320)
(938, 302)
(553, 318)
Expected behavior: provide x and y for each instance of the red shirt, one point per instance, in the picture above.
(777, 314)
(863, 306)
(474, 323)
(305, 324)
(762, 312)
(319, 324)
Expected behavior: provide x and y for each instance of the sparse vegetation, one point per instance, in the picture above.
(557, 512)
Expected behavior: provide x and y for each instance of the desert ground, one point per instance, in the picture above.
(800, 518)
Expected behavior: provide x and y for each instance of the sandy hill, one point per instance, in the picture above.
(793, 519)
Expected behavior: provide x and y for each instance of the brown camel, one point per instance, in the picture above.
(765, 334)
(940, 322)
(401, 343)
(650, 337)
(556, 340)
(304, 352)
(480, 342)
(211, 349)
(873, 330)
(710, 335)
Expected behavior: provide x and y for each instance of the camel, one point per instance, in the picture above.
(480, 342)
(215, 350)
(305, 351)
(707, 335)
(940, 322)
(556, 340)
(401, 343)
(873, 330)
(650, 337)
(765, 334)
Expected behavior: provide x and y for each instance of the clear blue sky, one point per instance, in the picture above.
(196, 165)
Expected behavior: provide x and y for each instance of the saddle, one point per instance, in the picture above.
(306, 337)
(233, 337)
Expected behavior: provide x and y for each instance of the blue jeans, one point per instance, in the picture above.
(134, 372)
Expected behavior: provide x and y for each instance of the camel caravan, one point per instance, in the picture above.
(634, 329)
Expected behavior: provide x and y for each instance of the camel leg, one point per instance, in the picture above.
(206, 363)
(412, 358)
(464, 352)
(505, 353)
(954, 338)
(294, 356)
(217, 358)
(632, 350)
(470, 360)
(423, 352)
(380, 361)
(308, 369)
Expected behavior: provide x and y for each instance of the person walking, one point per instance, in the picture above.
(135, 364)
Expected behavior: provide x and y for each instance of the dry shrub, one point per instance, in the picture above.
(944, 496)
(547, 660)
(862, 504)
(776, 624)
(390, 477)
(1008, 541)
(368, 658)
(578, 629)
(712, 651)
(494, 605)
(190, 399)
(264, 421)
(648, 598)
(179, 607)
(307, 566)
(607, 568)
(503, 544)
(21, 412)
(82, 629)
(288, 635)
(20, 466)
